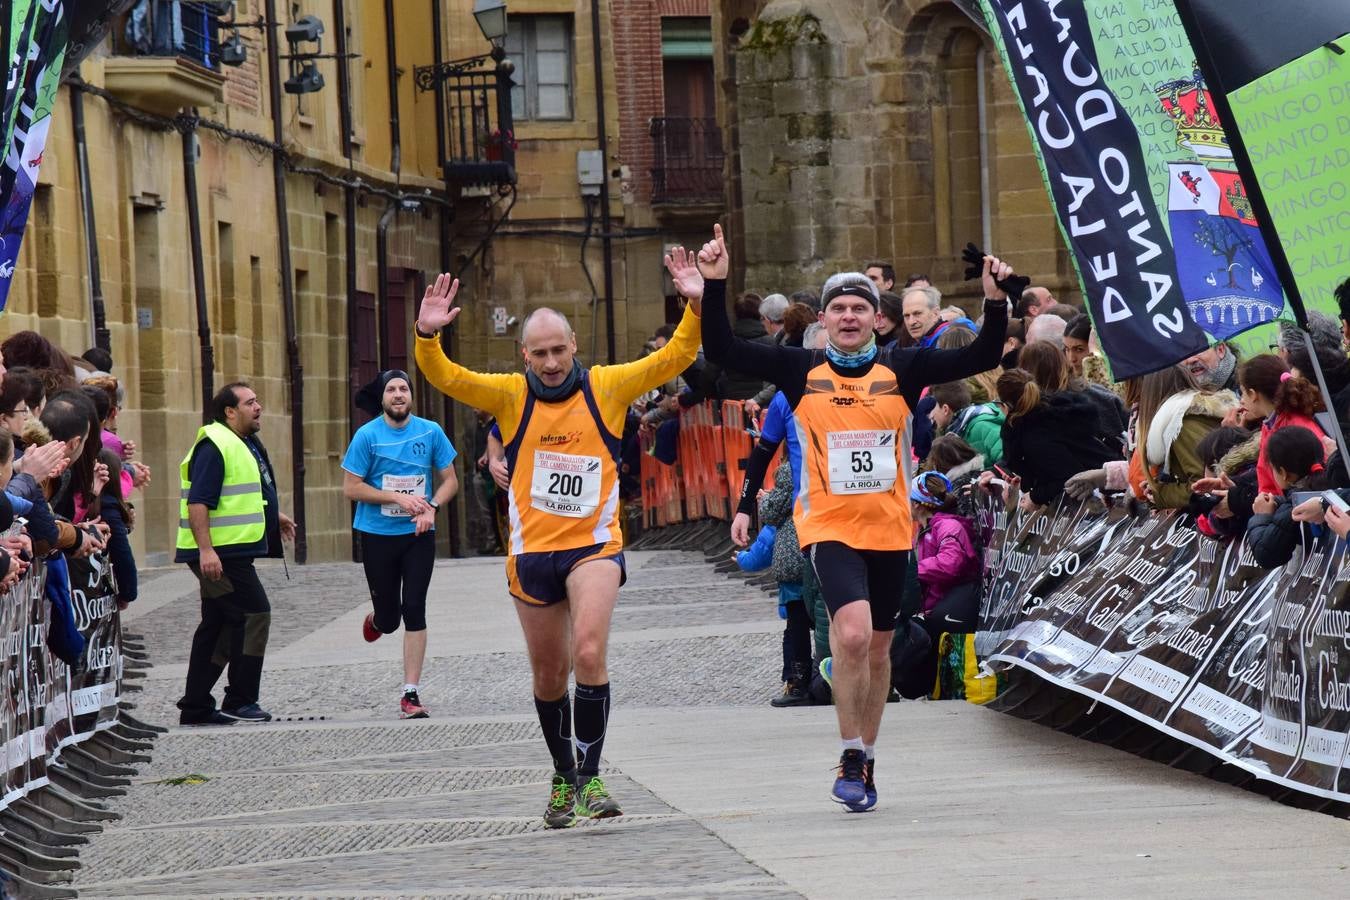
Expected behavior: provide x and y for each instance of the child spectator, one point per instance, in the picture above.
(1222, 504)
(1294, 454)
(945, 547)
(979, 425)
(1281, 399)
(120, 519)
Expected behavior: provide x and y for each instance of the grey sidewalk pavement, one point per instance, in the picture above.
(723, 795)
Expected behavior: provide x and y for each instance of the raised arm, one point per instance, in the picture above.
(496, 393)
(619, 385)
(773, 363)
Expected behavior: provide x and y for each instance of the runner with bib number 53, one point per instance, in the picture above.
(851, 404)
(561, 424)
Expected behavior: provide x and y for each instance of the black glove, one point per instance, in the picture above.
(1013, 285)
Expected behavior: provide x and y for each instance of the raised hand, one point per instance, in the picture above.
(683, 269)
(713, 261)
(438, 309)
(994, 272)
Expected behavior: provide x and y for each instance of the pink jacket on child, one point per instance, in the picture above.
(947, 556)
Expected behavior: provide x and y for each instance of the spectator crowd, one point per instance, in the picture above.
(1245, 446)
(67, 478)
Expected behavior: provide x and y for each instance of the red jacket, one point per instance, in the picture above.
(1265, 475)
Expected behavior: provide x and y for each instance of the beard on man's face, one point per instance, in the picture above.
(398, 415)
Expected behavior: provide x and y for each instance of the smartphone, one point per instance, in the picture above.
(1300, 497)
(1331, 498)
(1004, 472)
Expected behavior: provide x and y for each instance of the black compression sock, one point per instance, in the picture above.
(555, 718)
(592, 717)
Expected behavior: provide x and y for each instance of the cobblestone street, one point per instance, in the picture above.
(722, 794)
(360, 803)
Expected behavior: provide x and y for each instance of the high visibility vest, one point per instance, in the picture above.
(239, 515)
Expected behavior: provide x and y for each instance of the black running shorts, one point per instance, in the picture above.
(874, 576)
(398, 570)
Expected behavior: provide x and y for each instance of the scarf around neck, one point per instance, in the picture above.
(569, 385)
(1222, 372)
(855, 360)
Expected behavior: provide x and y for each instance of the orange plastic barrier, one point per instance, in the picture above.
(737, 444)
(662, 497)
(705, 482)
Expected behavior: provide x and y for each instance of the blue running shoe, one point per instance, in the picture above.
(869, 788)
(827, 670)
(850, 786)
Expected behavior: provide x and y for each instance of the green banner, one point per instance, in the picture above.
(38, 33)
(1139, 166)
(1295, 123)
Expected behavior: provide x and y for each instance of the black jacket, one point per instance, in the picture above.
(724, 383)
(1273, 537)
(1115, 420)
(119, 549)
(1340, 403)
(1055, 441)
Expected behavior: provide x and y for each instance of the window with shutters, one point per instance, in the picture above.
(540, 47)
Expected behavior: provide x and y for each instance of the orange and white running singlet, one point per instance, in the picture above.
(563, 455)
(564, 475)
(854, 435)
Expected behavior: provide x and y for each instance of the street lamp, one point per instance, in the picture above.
(491, 18)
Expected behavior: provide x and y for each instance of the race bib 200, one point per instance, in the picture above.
(565, 484)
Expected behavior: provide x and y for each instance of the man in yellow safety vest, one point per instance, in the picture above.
(228, 517)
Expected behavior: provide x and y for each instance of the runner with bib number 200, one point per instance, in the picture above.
(852, 405)
(388, 471)
(561, 424)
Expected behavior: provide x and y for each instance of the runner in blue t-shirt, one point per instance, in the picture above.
(388, 471)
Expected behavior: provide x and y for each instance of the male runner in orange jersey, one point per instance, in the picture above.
(852, 406)
(561, 424)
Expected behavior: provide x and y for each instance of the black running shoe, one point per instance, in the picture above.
(214, 717)
(249, 712)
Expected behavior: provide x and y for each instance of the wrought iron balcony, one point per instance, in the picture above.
(189, 31)
(688, 161)
(167, 56)
(479, 137)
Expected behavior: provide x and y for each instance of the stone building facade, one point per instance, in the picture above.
(514, 248)
(822, 134)
(876, 129)
(141, 215)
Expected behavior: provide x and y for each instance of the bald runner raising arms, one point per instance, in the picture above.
(561, 424)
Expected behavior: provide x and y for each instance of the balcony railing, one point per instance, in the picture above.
(189, 31)
(688, 161)
(166, 56)
(479, 138)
